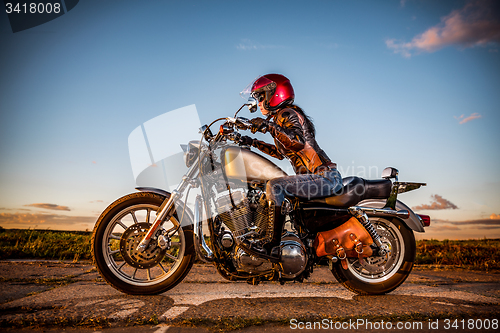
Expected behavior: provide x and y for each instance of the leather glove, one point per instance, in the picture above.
(259, 124)
(246, 141)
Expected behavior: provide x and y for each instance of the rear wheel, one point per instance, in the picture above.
(381, 274)
(118, 232)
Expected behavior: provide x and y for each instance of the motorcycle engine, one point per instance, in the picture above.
(250, 264)
(293, 258)
(245, 214)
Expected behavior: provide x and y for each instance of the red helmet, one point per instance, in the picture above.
(275, 89)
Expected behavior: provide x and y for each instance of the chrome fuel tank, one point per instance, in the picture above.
(245, 165)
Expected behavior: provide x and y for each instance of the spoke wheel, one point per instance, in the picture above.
(130, 240)
(120, 229)
(382, 273)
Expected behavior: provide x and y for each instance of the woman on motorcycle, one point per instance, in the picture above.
(294, 138)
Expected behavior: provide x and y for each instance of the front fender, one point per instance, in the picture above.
(413, 222)
(187, 219)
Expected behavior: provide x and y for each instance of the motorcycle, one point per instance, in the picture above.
(146, 242)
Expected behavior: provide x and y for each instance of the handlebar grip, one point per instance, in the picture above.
(263, 129)
(243, 124)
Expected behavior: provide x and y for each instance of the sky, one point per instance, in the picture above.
(410, 84)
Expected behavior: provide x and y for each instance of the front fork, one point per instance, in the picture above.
(167, 208)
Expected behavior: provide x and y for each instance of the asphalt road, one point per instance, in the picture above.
(71, 297)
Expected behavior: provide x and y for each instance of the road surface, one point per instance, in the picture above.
(67, 295)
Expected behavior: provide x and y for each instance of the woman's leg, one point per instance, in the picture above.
(306, 186)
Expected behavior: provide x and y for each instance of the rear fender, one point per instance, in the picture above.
(413, 222)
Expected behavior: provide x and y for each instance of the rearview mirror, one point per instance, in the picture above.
(252, 104)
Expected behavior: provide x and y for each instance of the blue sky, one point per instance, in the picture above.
(409, 84)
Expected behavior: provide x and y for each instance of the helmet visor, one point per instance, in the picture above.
(257, 88)
(247, 92)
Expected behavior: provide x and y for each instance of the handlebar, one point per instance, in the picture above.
(227, 129)
(245, 124)
(240, 122)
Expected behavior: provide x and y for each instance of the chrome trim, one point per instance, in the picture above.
(413, 222)
(199, 240)
(186, 214)
(167, 209)
(326, 208)
(360, 214)
(389, 173)
(404, 214)
(161, 216)
(252, 104)
(227, 239)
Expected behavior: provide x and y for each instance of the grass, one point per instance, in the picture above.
(480, 254)
(44, 244)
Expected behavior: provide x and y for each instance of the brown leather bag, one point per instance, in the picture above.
(348, 240)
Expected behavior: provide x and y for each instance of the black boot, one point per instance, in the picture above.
(278, 220)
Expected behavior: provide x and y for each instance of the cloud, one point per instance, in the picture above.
(480, 224)
(476, 24)
(495, 216)
(464, 119)
(22, 220)
(439, 203)
(48, 206)
(402, 3)
(443, 228)
(486, 222)
(247, 44)
(397, 47)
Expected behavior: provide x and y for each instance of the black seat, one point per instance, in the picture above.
(356, 189)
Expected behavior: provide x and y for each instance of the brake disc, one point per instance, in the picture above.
(128, 247)
(379, 264)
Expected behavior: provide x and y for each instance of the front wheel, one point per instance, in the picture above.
(118, 232)
(381, 274)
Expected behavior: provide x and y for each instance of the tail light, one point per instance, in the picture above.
(426, 219)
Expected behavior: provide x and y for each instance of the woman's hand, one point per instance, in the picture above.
(259, 124)
(246, 141)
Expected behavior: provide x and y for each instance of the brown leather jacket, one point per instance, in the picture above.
(294, 141)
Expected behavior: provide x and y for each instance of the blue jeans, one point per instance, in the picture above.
(304, 186)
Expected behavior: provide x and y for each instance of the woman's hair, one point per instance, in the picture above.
(308, 120)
